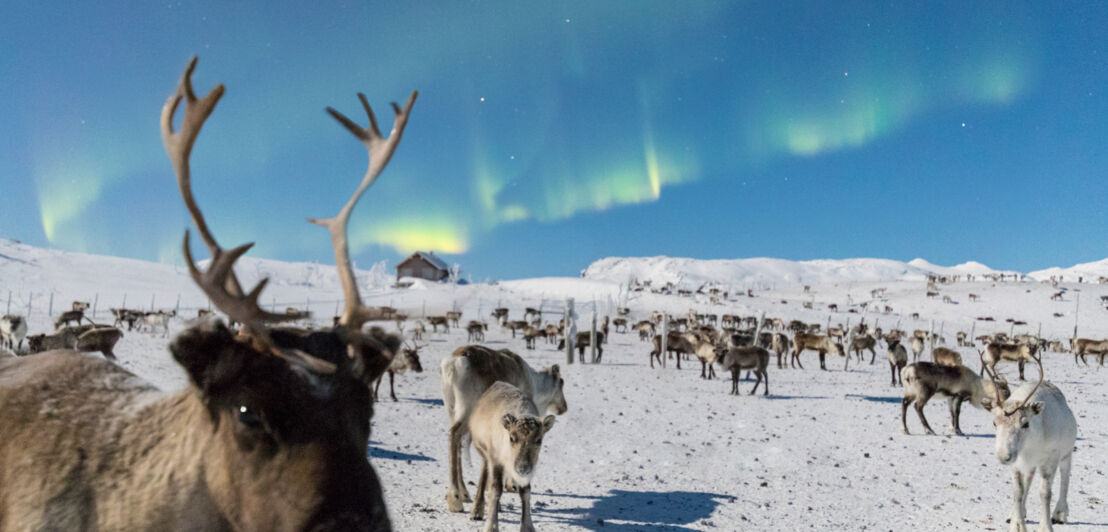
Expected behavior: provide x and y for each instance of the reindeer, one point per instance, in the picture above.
(269, 434)
(676, 343)
(476, 331)
(996, 352)
(406, 358)
(776, 342)
(530, 334)
(922, 380)
(553, 333)
(13, 329)
(507, 432)
(518, 325)
(1057, 296)
(418, 330)
(70, 315)
(815, 342)
(749, 358)
(153, 320)
(917, 347)
(861, 343)
(1035, 432)
(466, 375)
(435, 321)
(946, 357)
(454, 316)
(582, 341)
(124, 315)
(620, 324)
(527, 312)
(500, 315)
(646, 330)
(83, 338)
(898, 358)
(1085, 346)
(961, 338)
(974, 297)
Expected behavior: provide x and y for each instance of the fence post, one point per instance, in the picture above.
(931, 335)
(1076, 309)
(592, 338)
(124, 305)
(30, 297)
(568, 329)
(9, 311)
(95, 302)
(665, 338)
(177, 307)
(50, 307)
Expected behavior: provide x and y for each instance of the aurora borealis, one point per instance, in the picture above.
(549, 134)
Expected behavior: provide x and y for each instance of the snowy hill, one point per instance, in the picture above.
(1091, 271)
(767, 271)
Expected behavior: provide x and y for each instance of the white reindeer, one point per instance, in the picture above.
(1035, 432)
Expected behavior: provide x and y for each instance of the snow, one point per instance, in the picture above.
(661, 449)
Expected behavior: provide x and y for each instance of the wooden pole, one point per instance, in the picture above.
(592, 337)
(95, 302)
(1076, 309)
(50, 307)
(665, 339)
(569, 329)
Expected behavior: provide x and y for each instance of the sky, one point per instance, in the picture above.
(551, 134)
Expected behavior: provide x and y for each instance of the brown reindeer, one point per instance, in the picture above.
(435, 321)
(750, 358)
(269, 434)
(454, 316)
(898, 358)
(620, 324)
(530, 334)
(946, 357)
(861, 343)
(819, 343)
(923, 380)
(676, 344)
(1085, 346)
(996, 352)
(74, 316)
(582, 341)
(476, 331)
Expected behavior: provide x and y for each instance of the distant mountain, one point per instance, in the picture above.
(770, 271)
(1091, 271)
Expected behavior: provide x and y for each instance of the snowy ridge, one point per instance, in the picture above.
(766, 270)
(1091, 271)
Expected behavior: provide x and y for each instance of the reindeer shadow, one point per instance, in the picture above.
(623, 510)
(874, 398)
(432, 402)
(385, 454)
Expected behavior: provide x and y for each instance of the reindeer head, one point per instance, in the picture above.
(555, 387)
(288, 411)
(1013, 420)
(525, 435)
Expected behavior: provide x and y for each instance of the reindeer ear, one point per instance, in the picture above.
(209, 354)
(1036, 407)
(508, 420)
(547, 423)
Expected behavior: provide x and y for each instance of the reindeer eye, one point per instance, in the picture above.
(514, 439)
(249, 417)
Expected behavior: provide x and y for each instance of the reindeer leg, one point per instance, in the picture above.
(734, 381)
(1046, 478)
(525, 524)
(907, 400)
(703, 369)
(457, 492)
(892, 374)
(920, 403)
(392, 390)
(492, 523)
(1019, 499)
(821, 364)
(873, 356)
(377, 386)
(478, 511)
(766, 375)
(1062, 510)
(956, 414)
(1021, 370)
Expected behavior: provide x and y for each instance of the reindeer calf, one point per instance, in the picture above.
(507, 432)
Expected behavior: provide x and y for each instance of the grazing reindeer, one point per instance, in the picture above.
(620, 324)
(1085, 346)
(1057, 296)
(553, 332)
(476, 331)
(454, 316)
(1035, 432)
(161, 319)
(507, 432)
(466, 376)
(406, 358)
(996, 352)
(946, 357)
(269, 434)
(819, 343)
(83, 338)
(124, 315)
(750, 358)
(13, 329)
(500, 315)
(974, 297)
(435, 321)
(898, 358)
(81, 305)
(922, 380)
(861, 343)
(70, 315)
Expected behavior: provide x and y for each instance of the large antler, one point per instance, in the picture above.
(380, 149)
(219, 281)
(1039, 361)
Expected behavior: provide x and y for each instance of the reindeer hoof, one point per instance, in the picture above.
(454, 502)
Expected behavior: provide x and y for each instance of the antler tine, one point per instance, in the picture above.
(218, 282)
(1039, 361)
(993, 377)
(380, 150)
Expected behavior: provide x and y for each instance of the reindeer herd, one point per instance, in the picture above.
(272, 429)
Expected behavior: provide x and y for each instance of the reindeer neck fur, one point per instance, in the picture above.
(1050, 434)
(122, 437)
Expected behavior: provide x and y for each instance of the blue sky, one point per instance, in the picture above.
(550, 134)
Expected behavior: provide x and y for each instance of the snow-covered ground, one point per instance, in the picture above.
(661, 449)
